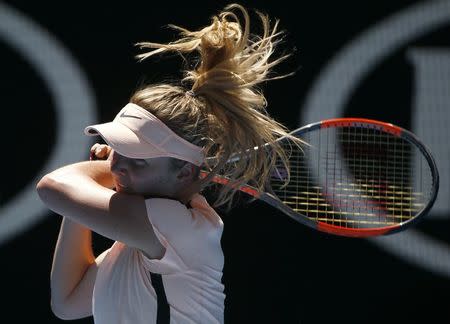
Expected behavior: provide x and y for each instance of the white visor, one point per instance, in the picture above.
(137, 133)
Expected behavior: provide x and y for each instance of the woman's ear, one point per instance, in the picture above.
(186, 172)
(186, 183)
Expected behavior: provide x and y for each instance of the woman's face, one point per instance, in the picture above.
(149, 178)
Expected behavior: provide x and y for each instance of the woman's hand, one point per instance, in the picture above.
(100, 152)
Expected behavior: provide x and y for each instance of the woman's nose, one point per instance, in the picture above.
(118, 163)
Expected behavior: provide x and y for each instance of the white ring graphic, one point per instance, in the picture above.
(72, 98)
(339, 79)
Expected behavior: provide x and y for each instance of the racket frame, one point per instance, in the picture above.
(397, 131)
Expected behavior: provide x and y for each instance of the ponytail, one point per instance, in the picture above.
(223, 103)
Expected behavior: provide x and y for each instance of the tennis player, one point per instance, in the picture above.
(166, 262)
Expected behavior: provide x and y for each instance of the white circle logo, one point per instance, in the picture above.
(341, 77)
(74, 103)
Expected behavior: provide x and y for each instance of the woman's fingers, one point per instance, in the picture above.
(100, 151)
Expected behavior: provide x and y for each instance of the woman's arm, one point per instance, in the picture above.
(73, 273)
(81, 193)
(98, 171)
(72, 258)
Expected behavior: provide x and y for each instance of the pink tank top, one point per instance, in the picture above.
(191, 269)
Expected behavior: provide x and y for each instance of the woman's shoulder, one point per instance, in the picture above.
(201, 207)
(198, 214)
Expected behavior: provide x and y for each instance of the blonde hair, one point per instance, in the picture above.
(223, 111)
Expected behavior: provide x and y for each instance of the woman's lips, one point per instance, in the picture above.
(119, 185)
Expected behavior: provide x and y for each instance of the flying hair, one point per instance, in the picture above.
(223, 110)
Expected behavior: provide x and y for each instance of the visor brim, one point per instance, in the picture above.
(124, 141)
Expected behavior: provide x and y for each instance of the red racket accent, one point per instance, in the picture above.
(354, 232)
(226, 182)
(354, 122)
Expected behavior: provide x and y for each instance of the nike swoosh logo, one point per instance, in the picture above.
(129, 116)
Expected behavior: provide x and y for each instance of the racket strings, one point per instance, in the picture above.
(356, 177)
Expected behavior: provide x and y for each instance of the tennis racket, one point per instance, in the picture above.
(356, 178)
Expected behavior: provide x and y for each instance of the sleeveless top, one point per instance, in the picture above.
(191, 269)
